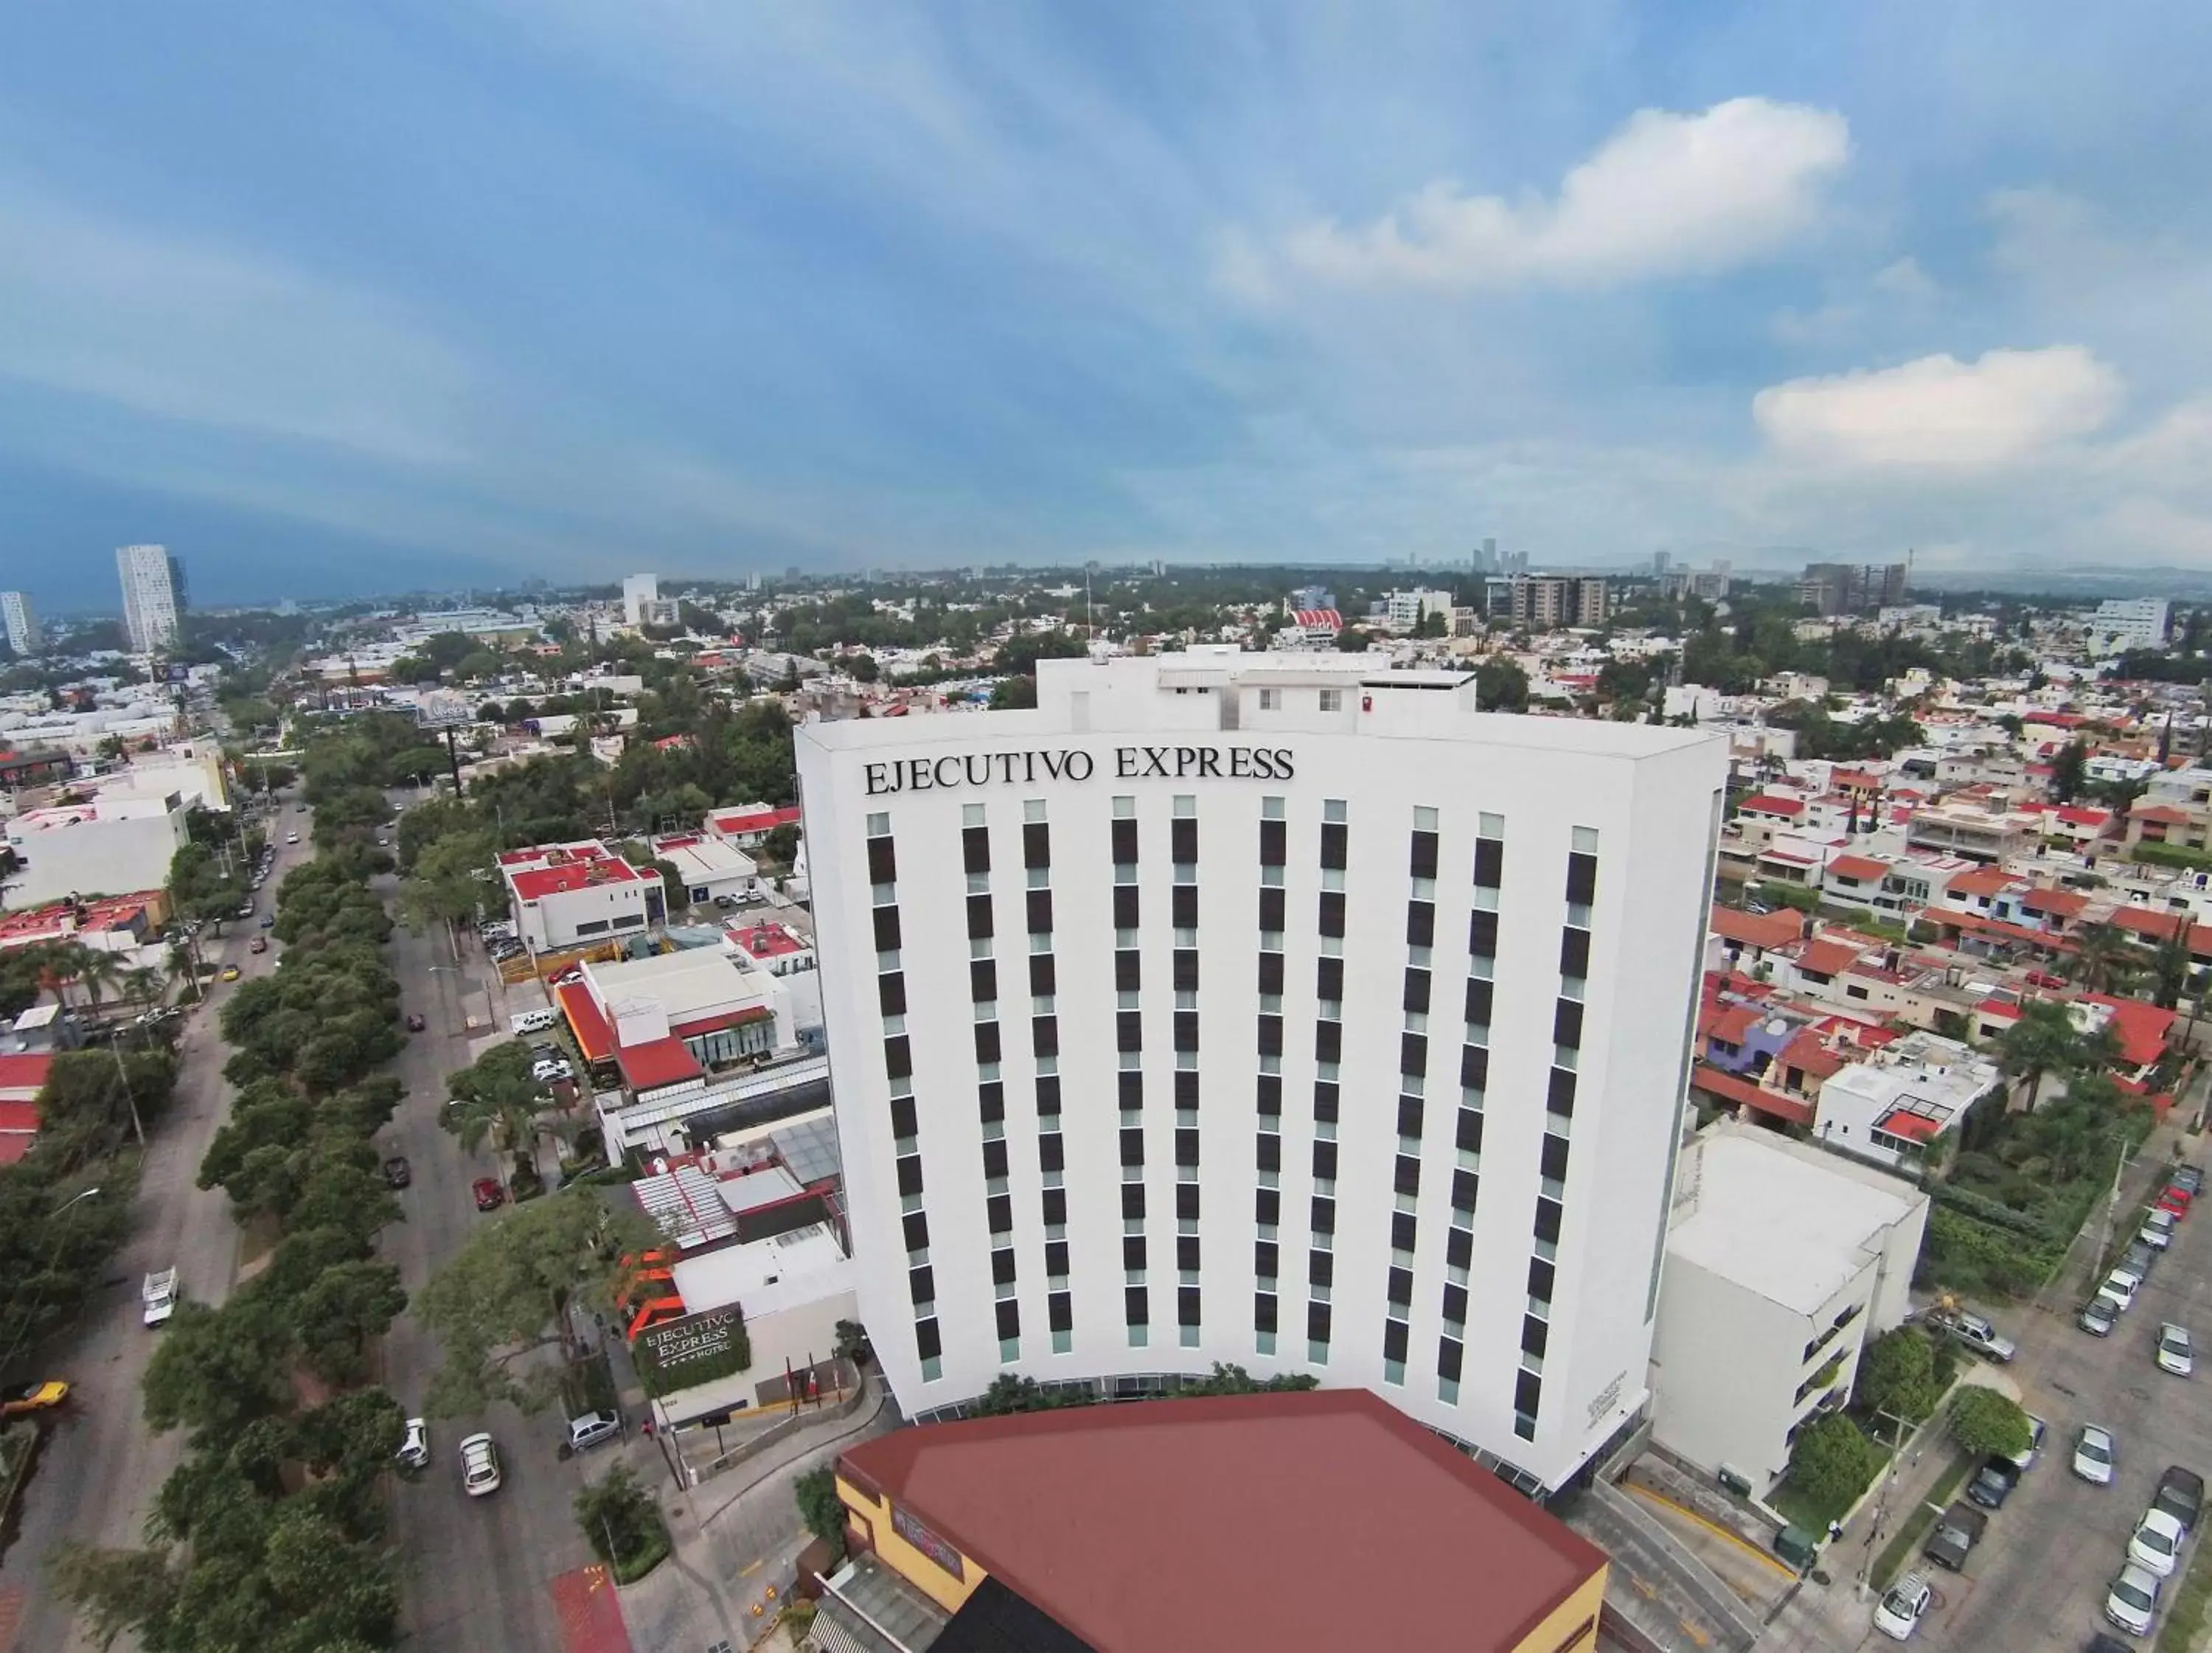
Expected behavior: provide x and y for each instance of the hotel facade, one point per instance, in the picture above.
(1271, 1009)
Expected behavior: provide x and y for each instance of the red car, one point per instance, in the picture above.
(489, 1196)
(2175, 1199)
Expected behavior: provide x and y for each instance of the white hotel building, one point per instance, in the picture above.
(1274, 1009)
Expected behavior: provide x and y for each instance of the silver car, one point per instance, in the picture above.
(2132, 1602)
(2174, 1353)
(2094, 1455)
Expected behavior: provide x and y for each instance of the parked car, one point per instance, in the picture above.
(415, 1022)
(1956, 1532)
(2175, 1198)
(2174, 1355)
(2094, 1454)
(2037, 1429)
(2098, 1316)
(2180, 1494)
(2121, 1286)
(1899, 1612)
(269, 921)
(2156, 1544)
(2190, 1177)
(1976, 1333)
(415, 1445)
(24, 1399)
(2132, 1602)
(1993, 1483)
(2139, 1258)
(397, 1172)
(291, 837)
(488, 1195)
(479, 1466)
(2157, 1232)
(230, 972)
(591, 1428)
(259, 945)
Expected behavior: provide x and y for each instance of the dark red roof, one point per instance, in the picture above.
(1729, 1088)
(1764, 930)
(1767, 804)
(1238, 1521)
(656, 1062)
(26, 1075)
(587, 1021)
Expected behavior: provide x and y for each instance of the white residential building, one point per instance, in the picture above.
(1782, 1262)
(1889, 1107)
(153, 595)
(1274, 1009)
(110, 848)
(572, 895)
(638, 590)
(21, 622)
(2122, 623)
(1403, 610)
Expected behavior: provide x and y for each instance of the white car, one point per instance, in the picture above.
(2094, 1453)
(2120, 1286)
(2174, 1353)
(2157, 1234)
(2156, 1546)
(547, 1072)
(291, 837)
(1899, 1612)
(415, 1445)
(2132, 1602)
(479, 1466)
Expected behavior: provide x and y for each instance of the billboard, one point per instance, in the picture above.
(443, 709)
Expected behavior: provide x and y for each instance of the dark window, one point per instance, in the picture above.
(1187, 1201)
(1186, 1087)
(1555, 1159)
(1186, 969)
(1393, 1340)
(1271, 1036)
(979, 917)
(1055, 1206)
(1055, 1257)
(1125, 843)
(1399, 1285)
(1131, 1085)
(1040, 909)
(1581, 879)
(1409, 1116)
(1455, 1303)
(1267, 1205)
(1422, 862)
(898, 1056)
(975, 849)
(1413, 1053)
(1402, 1231)
(916, 1226)
(1272, 841)
(1329, 978)
(1448, 1354)
(1468, 1134)
(1324, 1159)
(1548, 1213)
(1182, 907)
(994, 1156)
(1325, 1099)
(922, 1283)
(1187, 1305)
(1474, 1066)
(1270, 1102)
(1133, 1199)
(909, 1173)
(1328, 1042)
(1132, 1145)
(1482, 934)
(1002, 1265)
(1560, 1094)
(1459, 1250)
(926, 1341)
(890, 992)
(1125, 906)
(1266, 1258)
(983, 980)
(1044, 975)
(1186, 1030)
(1271, 973)
(1332, 913)
(998, 1213)
(1567, 1023)
(1271, 910)
(1463, 1191)
(1009, 1316)
(1128, 1030)
(1333, 845)
(1318, 1323)
(1133, 1306)
(1133, 1251)
(990, 1098)
(1060, 1311)
(887, 929)
(1324, 1215)
(1489, 862)
(1533, 1335)
(1270, 1152)
(1405, 1174)
(987, 1043)
(1186, 1251)
(1478, 1000)
(1526, 1390)
(1574, 953)
(1044, 1035)
(1128, 975)
(1420, 924)
(1052, 1151)
(1186, 1147)
(1320, 1267)
(1417, 991)
(1037, 844)
(1183, 839)
(1263, 1311)
(882, 864)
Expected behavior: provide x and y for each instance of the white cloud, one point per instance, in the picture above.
(1906, 279)
(1940, 413)
(1667, 194)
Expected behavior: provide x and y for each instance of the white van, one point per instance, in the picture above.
(534, 1021)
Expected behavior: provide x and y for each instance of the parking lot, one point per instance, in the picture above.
(2039, 1579)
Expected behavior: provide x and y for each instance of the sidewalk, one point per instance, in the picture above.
(738, 1537)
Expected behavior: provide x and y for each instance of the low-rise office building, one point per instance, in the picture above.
(99, 848)
(571, 895)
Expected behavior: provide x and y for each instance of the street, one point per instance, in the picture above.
(98, 1474)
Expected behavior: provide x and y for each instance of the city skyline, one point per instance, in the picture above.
(464, 296)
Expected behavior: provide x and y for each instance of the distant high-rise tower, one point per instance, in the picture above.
(638, 590)
(22, 625)
(153, 595)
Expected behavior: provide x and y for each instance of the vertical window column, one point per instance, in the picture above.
(1473, 1083)
(898, 1072)
(1268, 1145)
(1044, 1041)
(1183, 856)
(1328, 1056)
(1129, 1047)
(990, 1083)
(1413, 1088)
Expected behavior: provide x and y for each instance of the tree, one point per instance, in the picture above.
(673, 887)
(822, 1509)
(780, 845)
(2067, 771)
(2042, 1040)
(620, 1517)
(1832, 1464)
(863, 668)
(1500, 685)
(1014, 694)
(443, 886)
(852, 1343)
(2101, 957)
(1897, 1375)
(496, 1097)
(1986, 1423)
(217, 1369)
(505, 1297)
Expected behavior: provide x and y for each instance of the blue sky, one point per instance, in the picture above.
(333, 297)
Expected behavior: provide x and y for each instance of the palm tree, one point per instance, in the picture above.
(2101, 957)
(2042, 1040)
(496, 1099)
